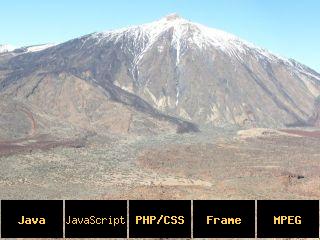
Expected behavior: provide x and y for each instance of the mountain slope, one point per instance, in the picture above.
(169, 70)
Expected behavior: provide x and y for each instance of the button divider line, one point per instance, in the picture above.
(256, 218)
(64, 218)
(191, 219)
(128, 219)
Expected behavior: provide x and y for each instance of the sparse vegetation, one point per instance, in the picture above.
(215, 164)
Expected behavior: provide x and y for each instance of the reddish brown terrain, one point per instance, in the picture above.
(35, 143)
(216, 164)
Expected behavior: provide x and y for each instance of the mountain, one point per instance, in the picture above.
(168, 75)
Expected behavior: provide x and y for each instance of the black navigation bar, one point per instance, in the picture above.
(159, 219)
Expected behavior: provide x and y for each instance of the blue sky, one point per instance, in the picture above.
(290, 28)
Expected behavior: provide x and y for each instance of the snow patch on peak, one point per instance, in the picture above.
(27, 49)
(6, 48)
(303, 69)
(37, 48)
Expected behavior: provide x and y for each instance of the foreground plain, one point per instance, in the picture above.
(212, 164)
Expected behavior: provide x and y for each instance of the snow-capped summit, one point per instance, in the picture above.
(184, 34)
(183, 28)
